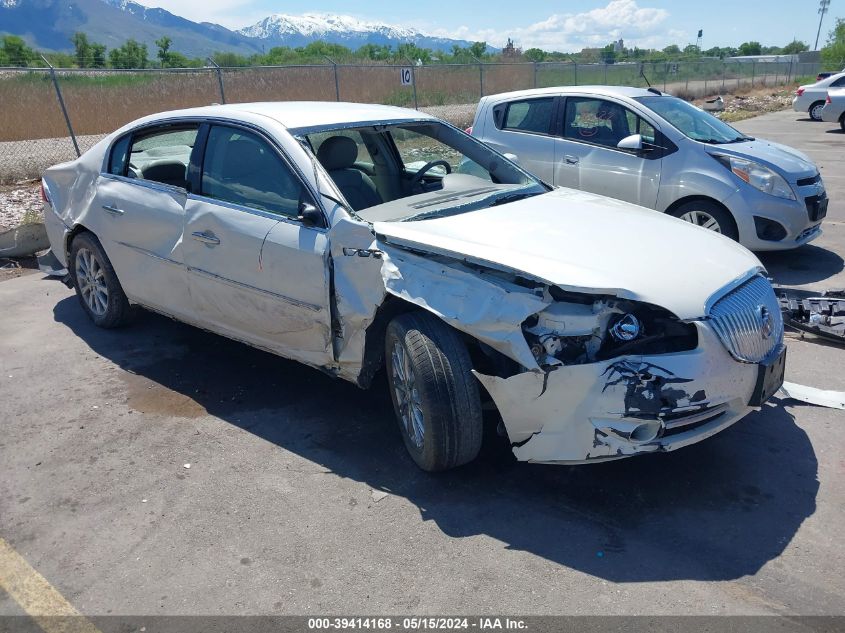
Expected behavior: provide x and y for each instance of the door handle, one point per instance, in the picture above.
(570, 160)
(206, 238)
(113, 210)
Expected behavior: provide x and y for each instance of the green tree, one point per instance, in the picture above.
(672, 50)
(535, 55)
(82, 49)
(833, 53)
(478, 49)
(608, 54)
(750, 48)
(794, 47)
(230, 59)
(691, 50)
(17, 52)
(131, 55)
(163, 53)
(98, 55)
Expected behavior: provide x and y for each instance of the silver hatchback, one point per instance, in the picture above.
(660, 152)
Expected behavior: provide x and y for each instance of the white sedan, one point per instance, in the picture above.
(356, 238)
(811, 97)
(834, 107)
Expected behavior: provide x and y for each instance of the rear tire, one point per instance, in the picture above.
(96, 284)
(709, 215)
(435, 397)
(815, 110)
(842, 122)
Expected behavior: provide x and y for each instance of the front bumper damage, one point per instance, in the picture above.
(624, 406)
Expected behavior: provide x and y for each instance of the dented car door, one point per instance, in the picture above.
(256, 272)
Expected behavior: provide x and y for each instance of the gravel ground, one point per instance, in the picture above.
(747, 105)
(19, 204)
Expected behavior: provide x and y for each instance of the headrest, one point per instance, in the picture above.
(169, 173)
(338, 152)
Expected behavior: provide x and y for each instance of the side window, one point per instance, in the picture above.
(119, 156)
(597, 121)
(162, 155)
(838, 82)
(636, 125)
(534, 115)
(241, 168)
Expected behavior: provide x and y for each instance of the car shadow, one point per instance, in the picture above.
(837, 130)
(717, 510)
(803, 265)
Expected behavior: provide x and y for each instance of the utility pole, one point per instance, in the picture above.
(823, 8)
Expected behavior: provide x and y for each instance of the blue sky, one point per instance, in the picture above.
(563, 25)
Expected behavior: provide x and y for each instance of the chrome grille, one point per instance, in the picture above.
(742, 317)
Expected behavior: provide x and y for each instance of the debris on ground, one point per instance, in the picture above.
(811, 395)
(11, 268)
(821, 313)
(735, 107)
(378, 495)
(20, 204)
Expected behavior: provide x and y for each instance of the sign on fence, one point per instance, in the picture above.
(407, 76)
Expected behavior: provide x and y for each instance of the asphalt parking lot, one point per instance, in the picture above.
(283, 508)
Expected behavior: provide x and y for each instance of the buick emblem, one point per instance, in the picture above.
(767, 323)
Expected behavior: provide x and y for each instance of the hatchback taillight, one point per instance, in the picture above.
(799, 92)
(468, 130)
(827, 100)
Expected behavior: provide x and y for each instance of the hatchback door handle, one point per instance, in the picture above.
(571, 160)
(113, 210)
(206, 238)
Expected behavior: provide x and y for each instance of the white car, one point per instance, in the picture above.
(594, 329)
(834, 107)
(811, 98)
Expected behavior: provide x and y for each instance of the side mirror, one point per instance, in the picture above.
(633, 142)
(310, 215)
(512, 157)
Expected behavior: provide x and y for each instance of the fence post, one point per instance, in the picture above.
(480, 74)
(777, 72)
(665, 73)
(535, 74)
(219, 79)
(336, 82)
(575, 70)
(62, 106)
(605, 73)
(724, 73)
(753, 71)
(414, 82)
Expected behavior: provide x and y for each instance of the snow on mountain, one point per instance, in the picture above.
(320, 25)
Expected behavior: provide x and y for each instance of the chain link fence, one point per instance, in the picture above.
(48, 113)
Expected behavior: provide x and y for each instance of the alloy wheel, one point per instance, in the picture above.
(407, 395)
(703, 219)
(90, 278)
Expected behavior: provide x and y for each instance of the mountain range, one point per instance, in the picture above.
(49, 25)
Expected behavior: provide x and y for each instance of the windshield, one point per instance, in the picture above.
(691, 121)
(416, 170)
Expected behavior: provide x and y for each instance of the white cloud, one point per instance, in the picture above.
(638, 26)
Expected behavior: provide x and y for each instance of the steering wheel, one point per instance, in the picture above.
(417, 179)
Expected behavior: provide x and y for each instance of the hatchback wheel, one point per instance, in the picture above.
(96, 283)
(816, 110)
(434, 395)
(709, 216)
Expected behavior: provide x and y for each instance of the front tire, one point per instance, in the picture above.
(435, 397)
(708, 215)
(96, 283)
(815, 110)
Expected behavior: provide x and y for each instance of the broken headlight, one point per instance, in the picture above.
(585, 330)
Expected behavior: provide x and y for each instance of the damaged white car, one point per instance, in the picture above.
(355, 237)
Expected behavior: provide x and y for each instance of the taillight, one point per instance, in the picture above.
(799, 92)
(827, 100)
(44, 197)
(468, 130)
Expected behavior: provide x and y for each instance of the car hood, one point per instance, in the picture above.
(781, 158)
(588, 243)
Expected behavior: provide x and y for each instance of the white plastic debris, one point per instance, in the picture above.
(186, 466)
(378, 495)
(811, 395)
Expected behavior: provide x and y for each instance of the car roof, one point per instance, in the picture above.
(302, 114)
(604, 91)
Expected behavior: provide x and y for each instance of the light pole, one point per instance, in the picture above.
(823, 7)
